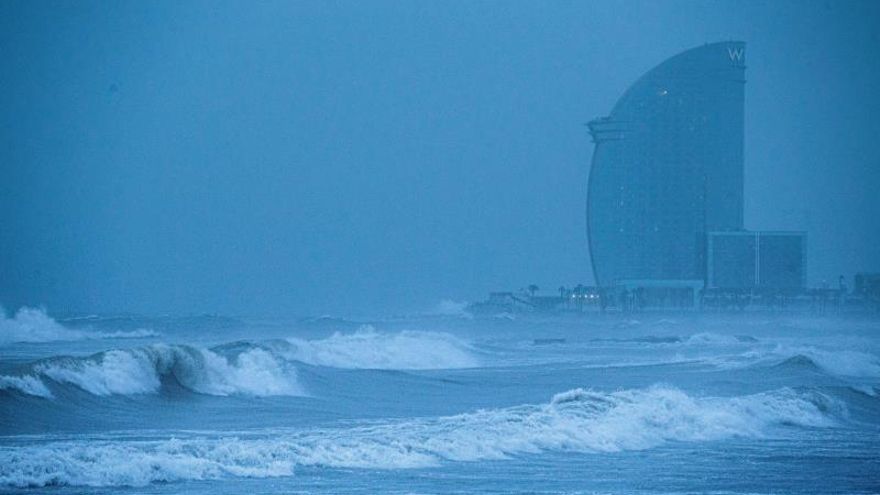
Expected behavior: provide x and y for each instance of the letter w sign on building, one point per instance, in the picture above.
(736, 54)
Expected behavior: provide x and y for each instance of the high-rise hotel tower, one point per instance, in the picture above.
(668, 168)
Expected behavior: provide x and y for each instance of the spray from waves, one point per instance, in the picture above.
(140, 371)
(448, 307)
(368, 349)
(34, 325)
(577, 421)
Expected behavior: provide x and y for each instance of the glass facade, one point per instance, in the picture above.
(732, 260)
(763, 260)
(668, 167)
(782, 260)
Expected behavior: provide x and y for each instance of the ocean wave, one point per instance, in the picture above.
(709, 338)
(368, 349)
(27, 384)
(34, 325)
(330, 321)
(839, 362)
(869, 390)
(647, 339)
(140, 371)
(448, 307)
(261, 369)
(579, 420)
(697, 339)
(139, 333)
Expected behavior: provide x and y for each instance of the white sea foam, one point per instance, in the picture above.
(27, 384)
(367, 348)
(137, 463)
(126, 334)
(709, 338)
(139, 371)
(256, 371)
(34, 325)
(578, 420)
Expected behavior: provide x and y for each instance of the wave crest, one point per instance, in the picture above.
(840, 362)
(261, 369)
(709, 338)
(140, 371)
(35, 325)
(27, 384)
(368, 349)
(844, 363)
(577, 420)
(448, 307)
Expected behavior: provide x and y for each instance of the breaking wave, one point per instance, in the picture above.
(261, 369)
(368, 349)
(140, 371)
(34, 325)
(841, 362)
(448, 307)
(578, 420)
(27, 384)
(762, 353)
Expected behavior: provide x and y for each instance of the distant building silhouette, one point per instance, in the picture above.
(756, 260)
(665, 204)
(668, 167)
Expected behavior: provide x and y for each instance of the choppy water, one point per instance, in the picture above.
(443, 404)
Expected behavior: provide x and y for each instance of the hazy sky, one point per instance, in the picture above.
(374, 157)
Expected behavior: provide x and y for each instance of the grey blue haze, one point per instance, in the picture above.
(333, 178)
(355, 157)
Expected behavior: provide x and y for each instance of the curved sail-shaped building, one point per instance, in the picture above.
(668, 167)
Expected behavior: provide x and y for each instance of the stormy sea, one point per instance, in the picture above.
(439, 403)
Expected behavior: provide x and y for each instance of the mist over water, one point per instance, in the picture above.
(320, 402)
(245, 247)
(362, 159)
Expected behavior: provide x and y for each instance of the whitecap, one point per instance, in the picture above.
(579, 420)
(139, 371)
(27, 384)
(368, 349)
(35, 325)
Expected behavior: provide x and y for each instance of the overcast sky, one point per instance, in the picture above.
(375, 157)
